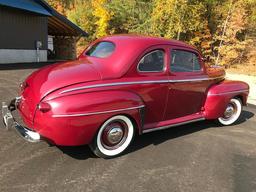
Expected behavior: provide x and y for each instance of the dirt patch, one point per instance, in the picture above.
(243, 69)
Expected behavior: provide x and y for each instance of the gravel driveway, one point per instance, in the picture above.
(195, 157)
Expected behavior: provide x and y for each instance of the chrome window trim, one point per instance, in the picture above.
(137, 82)
(173, 125)
(229, 92)
(97, 113)
(164, 64)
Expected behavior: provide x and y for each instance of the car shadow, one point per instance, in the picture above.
(77, 152)
(246, 115)
(154, 138)
(159, 137)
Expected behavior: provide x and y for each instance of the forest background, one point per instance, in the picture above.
(223, 30)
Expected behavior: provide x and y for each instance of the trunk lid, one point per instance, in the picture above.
(53, 77)
(50, 78)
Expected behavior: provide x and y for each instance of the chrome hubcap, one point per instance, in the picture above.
(115, 135)
(230, 110)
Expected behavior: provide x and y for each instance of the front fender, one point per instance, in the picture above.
(75, 119)
(220, 94)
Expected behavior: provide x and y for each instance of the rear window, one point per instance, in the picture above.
(101, 50)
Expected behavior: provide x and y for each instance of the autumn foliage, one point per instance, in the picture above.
(224, 30)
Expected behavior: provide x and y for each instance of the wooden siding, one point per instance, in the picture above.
(21, 29)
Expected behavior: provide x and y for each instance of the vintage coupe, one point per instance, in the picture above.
(119, 86)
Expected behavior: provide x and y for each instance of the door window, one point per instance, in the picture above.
(152, 62)
(184, 61)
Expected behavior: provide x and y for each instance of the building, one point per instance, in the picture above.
(26, 28)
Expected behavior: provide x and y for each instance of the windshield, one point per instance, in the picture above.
(101, 50)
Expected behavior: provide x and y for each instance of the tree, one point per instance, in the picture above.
(130, 16)
(81, 13)
(61, 5)
(203, 40)
(231, 35)
(103, 16)
(222, 29)
(177, 18)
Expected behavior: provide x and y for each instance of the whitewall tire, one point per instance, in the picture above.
(113, 137)
(232, 112)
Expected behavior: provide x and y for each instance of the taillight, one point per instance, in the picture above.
(44, 107)
(23, 86)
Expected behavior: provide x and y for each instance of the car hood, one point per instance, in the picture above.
(56, 76)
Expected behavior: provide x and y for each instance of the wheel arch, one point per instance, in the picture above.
(242, 98)
(136, 121)
(220, 94)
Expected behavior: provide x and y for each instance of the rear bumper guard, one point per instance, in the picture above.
(10, 122)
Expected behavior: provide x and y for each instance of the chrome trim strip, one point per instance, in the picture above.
(173, 125)
(136, 82)
(97, 113)
(230, 92)
(114, 84)
(192, 80)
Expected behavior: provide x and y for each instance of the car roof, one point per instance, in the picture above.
(135, 40)
(127, 50)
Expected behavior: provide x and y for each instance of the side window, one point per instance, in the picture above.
(184, 61)
(152, 62)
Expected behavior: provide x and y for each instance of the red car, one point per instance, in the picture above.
(119, 86)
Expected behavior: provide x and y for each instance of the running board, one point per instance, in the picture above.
(173, 125)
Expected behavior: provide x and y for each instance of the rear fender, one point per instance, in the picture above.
(220, 94)
(75, 119)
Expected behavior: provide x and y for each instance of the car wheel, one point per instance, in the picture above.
(113, 137)
(232, 112)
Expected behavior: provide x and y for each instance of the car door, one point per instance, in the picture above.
(187, 83)
(151, 69)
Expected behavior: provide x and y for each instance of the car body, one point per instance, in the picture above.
(137, 84)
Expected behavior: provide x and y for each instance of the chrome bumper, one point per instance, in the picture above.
(10, 122)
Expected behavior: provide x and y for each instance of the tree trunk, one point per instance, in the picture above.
(224, 31)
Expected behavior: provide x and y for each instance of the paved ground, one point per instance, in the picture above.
(195, 157)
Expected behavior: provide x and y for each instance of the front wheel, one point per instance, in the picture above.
(232, 112)
(113, 137)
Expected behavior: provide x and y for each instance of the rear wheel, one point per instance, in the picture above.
(113, 137)
(232, 112)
